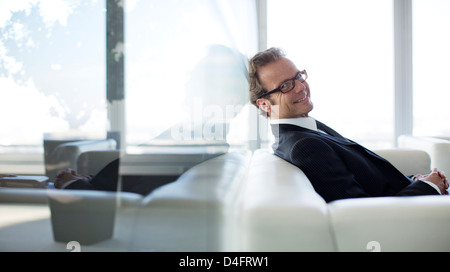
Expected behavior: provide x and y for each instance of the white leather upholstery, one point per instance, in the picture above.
(437, 148)
(280, 209)
(396, 223)
(171, 163)
(194, 213)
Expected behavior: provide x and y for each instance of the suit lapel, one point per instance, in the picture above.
(332, 132)
(329, 133)
(327, 129)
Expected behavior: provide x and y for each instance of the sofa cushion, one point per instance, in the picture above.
(418, 223)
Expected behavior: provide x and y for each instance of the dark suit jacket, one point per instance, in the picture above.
(340, 168)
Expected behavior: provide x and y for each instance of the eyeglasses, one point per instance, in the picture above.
(289, 84)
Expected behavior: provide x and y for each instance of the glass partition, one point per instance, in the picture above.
(186, 71)
(52, 70)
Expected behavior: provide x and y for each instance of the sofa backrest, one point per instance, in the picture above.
(92, 162)
(59, 155)
(437, 147)
(280, 209)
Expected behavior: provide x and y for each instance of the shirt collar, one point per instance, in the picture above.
(305, 122)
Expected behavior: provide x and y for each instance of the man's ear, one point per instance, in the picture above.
(264, 104)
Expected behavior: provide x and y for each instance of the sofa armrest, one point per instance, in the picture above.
(418, 223)
(408, 161)
(66, 155)
(437, 148)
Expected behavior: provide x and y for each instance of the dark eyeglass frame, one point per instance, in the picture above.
(301, 77)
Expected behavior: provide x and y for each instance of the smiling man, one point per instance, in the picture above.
(337, 167)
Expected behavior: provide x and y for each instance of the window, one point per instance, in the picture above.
(186, 70)
(52, 69)
(431, 67)
(347, 48)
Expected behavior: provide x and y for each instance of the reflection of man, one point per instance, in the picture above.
(337, 167)
(215, 93)
(105, 180)
(216, 90)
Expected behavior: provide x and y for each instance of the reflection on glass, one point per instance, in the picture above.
(186, 68)
(52, 69)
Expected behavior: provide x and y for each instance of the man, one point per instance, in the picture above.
(337, 167)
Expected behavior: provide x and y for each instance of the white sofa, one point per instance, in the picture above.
(240, 201)
(282, 212)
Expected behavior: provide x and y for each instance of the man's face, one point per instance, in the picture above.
(295, 103)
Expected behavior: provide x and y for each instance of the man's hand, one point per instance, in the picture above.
(437, 177)
(66, 175)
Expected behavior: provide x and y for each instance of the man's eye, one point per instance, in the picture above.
(284, 86)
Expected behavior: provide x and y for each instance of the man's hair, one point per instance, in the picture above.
(261, 59)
